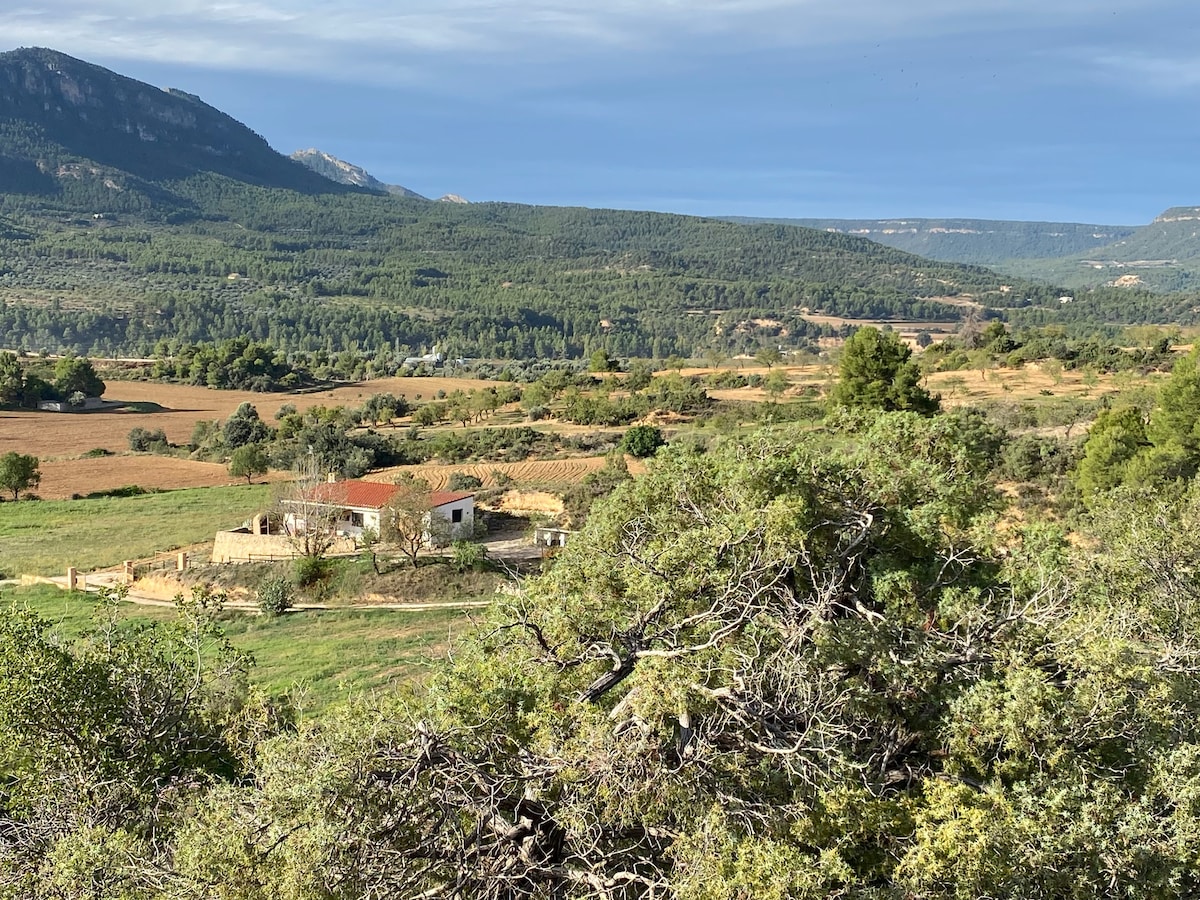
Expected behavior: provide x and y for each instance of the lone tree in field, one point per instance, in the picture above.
(768, 356)
(876, 372)
(776, 384)
(247, 461)
(19, 472)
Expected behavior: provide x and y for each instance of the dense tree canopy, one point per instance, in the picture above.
(876, 372)
(73, 375)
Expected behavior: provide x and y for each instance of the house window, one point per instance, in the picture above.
(356, 519)
(456, 515)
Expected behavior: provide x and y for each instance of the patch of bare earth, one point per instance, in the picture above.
(534, 471)
(55, 435)
(62, 478)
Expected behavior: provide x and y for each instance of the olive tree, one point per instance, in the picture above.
(249, 460)
(19, 472)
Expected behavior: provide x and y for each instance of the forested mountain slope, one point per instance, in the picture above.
(1161, 256)
(129, 214)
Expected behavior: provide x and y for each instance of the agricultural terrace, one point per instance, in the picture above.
(62, 440)
(176, 408)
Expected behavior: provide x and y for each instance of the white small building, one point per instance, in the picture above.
(89, 403)
(456, 512)
(351, 507)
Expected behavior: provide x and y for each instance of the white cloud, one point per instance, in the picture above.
(1158, 73)
(401, 39)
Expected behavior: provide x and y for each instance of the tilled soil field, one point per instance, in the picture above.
(64, 478)
(60, 435)
(530, 472)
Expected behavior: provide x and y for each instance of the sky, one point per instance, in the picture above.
(1058, 110)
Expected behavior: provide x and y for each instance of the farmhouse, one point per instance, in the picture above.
(351, 507)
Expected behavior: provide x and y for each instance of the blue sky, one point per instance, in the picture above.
(1022, 109)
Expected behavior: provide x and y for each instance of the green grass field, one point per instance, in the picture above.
(320, 657)
(44, 537)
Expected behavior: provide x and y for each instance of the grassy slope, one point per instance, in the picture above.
(43, 538)
(321, 656)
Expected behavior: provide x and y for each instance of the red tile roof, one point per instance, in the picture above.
(355, 494)
(441, 498)
(375, 494)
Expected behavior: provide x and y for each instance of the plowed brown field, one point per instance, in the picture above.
(542, 471)
(56, 435)
(61, 478)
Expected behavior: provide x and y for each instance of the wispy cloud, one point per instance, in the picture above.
(396, 40)
(1158, 73)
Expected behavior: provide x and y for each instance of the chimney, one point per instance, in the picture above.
(332, 477)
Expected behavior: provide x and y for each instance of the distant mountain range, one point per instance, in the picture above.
(347, 173)
(131, 214)
(1163, 256)
(984, 242)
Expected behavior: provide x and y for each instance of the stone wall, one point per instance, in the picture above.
(242, 546)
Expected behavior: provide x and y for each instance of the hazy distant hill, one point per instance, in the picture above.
(347, 173)
(1162, 256)
(984, 242)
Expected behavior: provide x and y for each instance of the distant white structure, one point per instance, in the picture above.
(67, 406)
(434, 359)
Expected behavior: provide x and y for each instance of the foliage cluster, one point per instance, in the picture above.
(1127, 446)
(783, 667)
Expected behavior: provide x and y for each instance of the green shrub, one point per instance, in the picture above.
(462, 481)
(311, 570)
(142, 440)
(642, 441)
(276, 596)
(129, 490)
(468, 556)
(1032, 456)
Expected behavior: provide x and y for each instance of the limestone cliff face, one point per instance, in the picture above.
(347, 173)
(56, 109)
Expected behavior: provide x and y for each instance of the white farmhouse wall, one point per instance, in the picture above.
(456, 520)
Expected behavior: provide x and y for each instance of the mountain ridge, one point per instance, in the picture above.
(343, 172)
(62, 111)
(989, 242)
